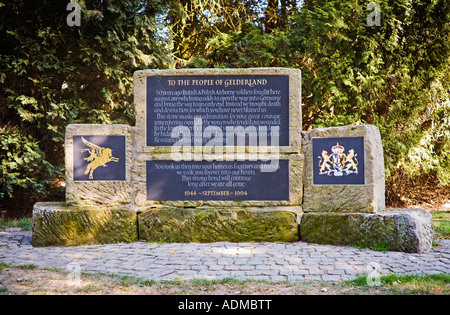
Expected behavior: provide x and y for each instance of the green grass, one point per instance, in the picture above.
(392, 284)
(26, 267)
(3, 265)
(99, 283)
(199, 283)
(24, 224)
(381, 246)
(406, 284)
(441, 221)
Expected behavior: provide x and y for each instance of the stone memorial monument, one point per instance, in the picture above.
(220, 155)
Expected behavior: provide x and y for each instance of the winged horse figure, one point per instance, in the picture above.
(98, 157)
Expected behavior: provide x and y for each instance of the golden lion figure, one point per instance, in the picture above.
(98, 157)
(350, 161)
(325, 159)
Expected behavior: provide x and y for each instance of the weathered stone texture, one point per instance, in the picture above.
(367, 198)
(400, 230)
(54, 223)
(166, 224)
(98, 193)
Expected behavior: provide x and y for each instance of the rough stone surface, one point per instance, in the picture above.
(167, 224)
(295, 113)
(98, 193)
(56, 224)
(367, 198)
(398, 230)
(297, 261)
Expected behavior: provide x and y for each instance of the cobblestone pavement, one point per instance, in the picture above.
(268, 261)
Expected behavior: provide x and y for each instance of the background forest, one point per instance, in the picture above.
(395, 75)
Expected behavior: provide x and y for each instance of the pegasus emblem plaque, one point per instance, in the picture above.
(98, 158)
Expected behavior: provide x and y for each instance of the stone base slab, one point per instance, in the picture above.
(55, 224)
(213, 224)
(407, 230)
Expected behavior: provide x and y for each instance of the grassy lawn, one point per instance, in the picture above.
(23, 224)
(19, 280)
(407, 284)
(441, 221)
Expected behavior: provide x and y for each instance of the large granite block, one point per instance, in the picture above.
(214, 224)
(344, 170)
(55, 224)
(399, 230)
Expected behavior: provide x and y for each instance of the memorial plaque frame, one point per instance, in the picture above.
(278, 85)
(338, 161)
(295, 164)
(99, 157)
(293, 99)
(219, 101)
(92, 191)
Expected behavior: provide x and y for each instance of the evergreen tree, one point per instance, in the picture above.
(53, 74)
(193, 23)
(394, 75)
